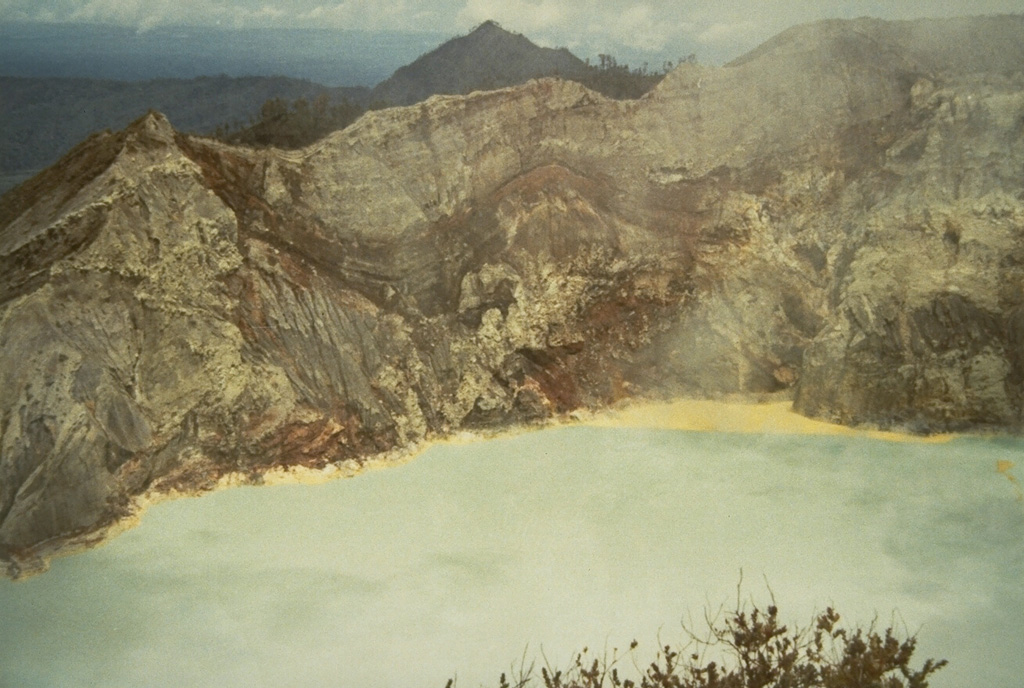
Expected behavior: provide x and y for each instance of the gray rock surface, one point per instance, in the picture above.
(836, 217)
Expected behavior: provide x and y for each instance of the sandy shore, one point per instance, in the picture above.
(696, 415)
(702, 415)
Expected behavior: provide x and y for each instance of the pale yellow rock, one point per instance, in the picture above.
(703, 415)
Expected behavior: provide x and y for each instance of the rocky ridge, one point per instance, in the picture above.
(834, 217)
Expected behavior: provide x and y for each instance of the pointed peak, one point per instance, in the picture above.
(489, 26)
(489, 57)
(492, 30)
(152, 127)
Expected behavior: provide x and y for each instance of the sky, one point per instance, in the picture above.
(708, 26)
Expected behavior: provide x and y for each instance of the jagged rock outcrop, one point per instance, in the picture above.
(42, 117)
(833, 217)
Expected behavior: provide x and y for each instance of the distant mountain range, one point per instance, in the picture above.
(123, 53)
(41, 118)
(488, 58)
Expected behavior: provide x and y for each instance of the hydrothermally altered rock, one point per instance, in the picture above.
(837, 216)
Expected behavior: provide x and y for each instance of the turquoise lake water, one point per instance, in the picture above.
(452, 564)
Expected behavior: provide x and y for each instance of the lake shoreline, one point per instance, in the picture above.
(771, 416)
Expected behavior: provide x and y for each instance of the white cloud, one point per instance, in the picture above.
(108, 11)
(149, 23)
(728, 33)
(148, 14)
(639, 27)
(370, 15)
(520, 15)
(268, 12)
(721, 27)
(647, 25)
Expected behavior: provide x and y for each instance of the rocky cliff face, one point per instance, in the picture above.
(834, 217)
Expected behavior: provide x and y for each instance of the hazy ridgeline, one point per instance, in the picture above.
(97, 51)
(280, 87)
(73, 80)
